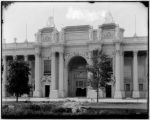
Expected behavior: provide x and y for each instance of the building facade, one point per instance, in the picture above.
(58, 58)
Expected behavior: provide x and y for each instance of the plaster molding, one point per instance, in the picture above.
(46, 78)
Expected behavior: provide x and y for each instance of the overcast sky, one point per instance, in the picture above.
(36, 14)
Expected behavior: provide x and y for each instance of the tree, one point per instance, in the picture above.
(101, 70)
(17, 79)
(5, 4)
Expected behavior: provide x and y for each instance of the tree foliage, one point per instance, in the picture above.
(101, 70)
(17, 79)
(5, 4)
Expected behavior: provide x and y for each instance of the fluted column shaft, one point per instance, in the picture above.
(135, 75)
(117, 75)
(61, 67)
(4, 77)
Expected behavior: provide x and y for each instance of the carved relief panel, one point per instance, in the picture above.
(46, 37)
(109, 34)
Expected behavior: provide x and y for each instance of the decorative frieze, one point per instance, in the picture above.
(57, 49)
(109, 34)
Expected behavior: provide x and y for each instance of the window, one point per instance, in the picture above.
(47, 67)
(127, 87)
(140, 87)
(95, 53)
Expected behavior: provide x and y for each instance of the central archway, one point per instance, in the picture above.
(77, 77)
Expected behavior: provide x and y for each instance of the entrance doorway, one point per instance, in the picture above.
(77, 78)
(47, 90)
(108, 91)
(81, 92)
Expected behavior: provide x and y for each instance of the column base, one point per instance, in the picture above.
(53, 94)
(123, 93)
(118, 94)
(136, 94)
(61, 94)
(36, 94)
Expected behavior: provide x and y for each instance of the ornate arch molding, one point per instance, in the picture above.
(70, 55)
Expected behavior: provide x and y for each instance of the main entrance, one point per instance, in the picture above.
(77, 78)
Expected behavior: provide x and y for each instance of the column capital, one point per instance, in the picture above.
(14, 57)
(25, 57)
(61, 52)
(135, 52)
(118, 52)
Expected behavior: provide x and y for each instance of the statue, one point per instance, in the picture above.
(108, 18)
(50, 22)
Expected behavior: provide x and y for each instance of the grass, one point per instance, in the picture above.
(54, 110)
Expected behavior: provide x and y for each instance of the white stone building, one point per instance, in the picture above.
(57, 60)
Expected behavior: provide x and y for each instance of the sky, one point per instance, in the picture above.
(32, 16)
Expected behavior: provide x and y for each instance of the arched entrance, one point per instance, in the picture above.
(77, 77)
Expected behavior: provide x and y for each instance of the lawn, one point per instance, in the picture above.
(72, 110)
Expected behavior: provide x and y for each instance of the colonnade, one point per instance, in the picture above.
(55, 93)
(119, 75)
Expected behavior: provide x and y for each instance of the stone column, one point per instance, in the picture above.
(135, 75)
(122, 73)
(117, 75)
(53, 70)
(61, 69)
(37, 92)
(53, 91)
(4, 77)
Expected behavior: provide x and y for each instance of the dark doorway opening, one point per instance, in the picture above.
(108, 91)
(47, 90)
(81, 92)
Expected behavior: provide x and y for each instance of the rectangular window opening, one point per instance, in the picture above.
(127, 87)
(140, 87)
(47, 67)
